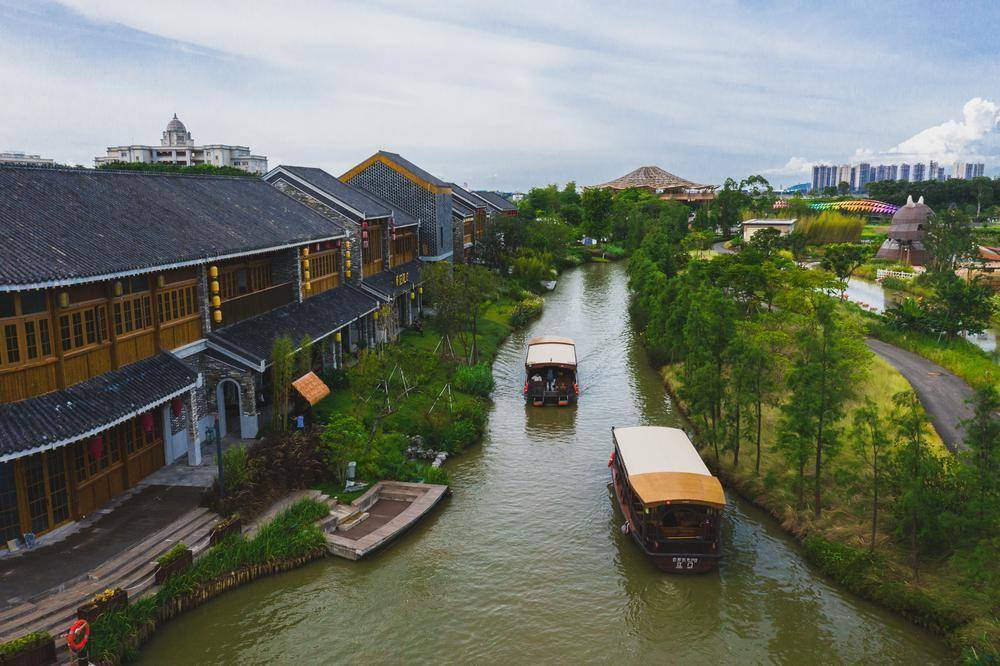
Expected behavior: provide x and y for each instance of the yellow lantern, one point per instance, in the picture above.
(217, 316)
(213, 271)
(305, 264)
(216, 301)
(215, 286)
(160, 281)
(64, 299)
(347, 263)
(413, 295)
(347, 255)
(376, 315)
(348, 272)
(336, 336)
(118, 289)
(420, 290)
(305, 252)
(305, 276)
(307, 287)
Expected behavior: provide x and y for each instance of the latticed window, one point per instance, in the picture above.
(177, 303)
(132, 313)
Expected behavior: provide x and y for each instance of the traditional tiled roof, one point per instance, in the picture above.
(399, 216)
(352, 197)
(384, 282)
(317, 317)
(468, 198)
(59, 226)
(412, 269)
(497, 201)
(461, 209)
(413, 168)
(654, 178)
(85, 409)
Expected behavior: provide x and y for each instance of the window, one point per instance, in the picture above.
(82, 328)
(132, 314)
(176, 303)
(242, 280)
(10, 524)
(24, 328)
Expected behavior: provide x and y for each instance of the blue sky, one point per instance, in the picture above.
(510, 94)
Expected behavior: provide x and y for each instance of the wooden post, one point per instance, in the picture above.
(154, 296)
(56, 338)
(112, 326)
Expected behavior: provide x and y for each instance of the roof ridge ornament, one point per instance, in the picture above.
(909, 201)
(920, 201)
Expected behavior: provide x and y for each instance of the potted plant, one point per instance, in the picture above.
(34, 649)
(106, 601)
(231, 525)
(174, 560)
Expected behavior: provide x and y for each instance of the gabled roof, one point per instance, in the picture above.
(85, 409)
(400, 217)
(654, 178)
(466, 197)
(60, 226)
(350, 197)
(405, 167)
(317, 317)
(498, 202)
(461, 209)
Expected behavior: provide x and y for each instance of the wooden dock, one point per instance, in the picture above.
(373, 520)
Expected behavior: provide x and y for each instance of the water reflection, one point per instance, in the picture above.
(527, 562)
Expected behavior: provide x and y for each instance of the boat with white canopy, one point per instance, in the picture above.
(550, 367)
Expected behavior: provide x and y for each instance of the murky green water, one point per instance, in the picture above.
(526, 563)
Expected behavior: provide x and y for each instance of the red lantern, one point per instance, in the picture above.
(176, 407)
(146, 421)
(96, 447)
(364, 234)
(364, 225)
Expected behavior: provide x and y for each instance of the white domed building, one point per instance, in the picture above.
(177, 147)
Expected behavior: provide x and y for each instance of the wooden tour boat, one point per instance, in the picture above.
(671, 503)
(550, 367)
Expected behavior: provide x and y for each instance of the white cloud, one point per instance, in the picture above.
(953, 139)
(796, 166)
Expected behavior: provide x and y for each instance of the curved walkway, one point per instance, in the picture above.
(721, 248)
(944, 396)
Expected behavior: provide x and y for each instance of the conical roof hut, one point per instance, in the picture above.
(906, 234)
(656, 180)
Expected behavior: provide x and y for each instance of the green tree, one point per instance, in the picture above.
(478, 287)
(759, 194)
(983, 457)
(949, 240)
(282, 367)
(957, 305)
(843, 188)
(344, 440)
(597, 202)
(702, 221)
(871, 440)
(842, 259)
(304, 359)
(830, 361)
(447, 293)
(728, 206)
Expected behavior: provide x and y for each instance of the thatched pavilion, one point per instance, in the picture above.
(664, 183)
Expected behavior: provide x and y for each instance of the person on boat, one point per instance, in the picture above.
(551, 382)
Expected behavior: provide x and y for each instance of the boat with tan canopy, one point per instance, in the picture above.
(550, 368)
(671, 503)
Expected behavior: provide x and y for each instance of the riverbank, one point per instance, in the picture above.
(838, 543)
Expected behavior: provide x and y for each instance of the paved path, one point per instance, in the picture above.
(721, 248)
(942, 394)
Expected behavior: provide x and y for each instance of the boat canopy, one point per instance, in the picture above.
(551, 351)
(663, 467)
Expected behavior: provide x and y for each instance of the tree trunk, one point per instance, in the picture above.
(736, 442)
(802, 481)
(757, 464)
(874, 502)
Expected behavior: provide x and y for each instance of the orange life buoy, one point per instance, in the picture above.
(79, 633)
(525, 386)
(576, 389)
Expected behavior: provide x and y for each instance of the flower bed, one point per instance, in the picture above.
(106, 601)
(231, 525)
(175, 560)
(35, 649)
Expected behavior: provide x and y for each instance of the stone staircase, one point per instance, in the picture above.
(132, 570)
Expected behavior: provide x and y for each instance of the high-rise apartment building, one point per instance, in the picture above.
(904, 171)
(967, 170)
(919, 171)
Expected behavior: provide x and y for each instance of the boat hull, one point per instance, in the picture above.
(681, 563)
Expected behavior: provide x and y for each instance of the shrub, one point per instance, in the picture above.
(831, 227)
(614, 251)
(526, 310)
(236, 468)
(173, 554)
(475, 379)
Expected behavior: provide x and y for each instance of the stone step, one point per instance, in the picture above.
(12, 613)
(128, 570)
(353, 520)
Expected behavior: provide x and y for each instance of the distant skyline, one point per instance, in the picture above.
(506, 95)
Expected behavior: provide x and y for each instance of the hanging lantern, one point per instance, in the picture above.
(420, 290)
(347, 254)
(217, 316)
(215, 286)
(213, 272)
(216, 301)
(364, 224)
(376, 315)
(64, 299)
(366, 243)
(146, 421)
(305, 252)
(364, 234)
(305, 275)
(118, 289)
(176, 407)
(348, 271)
(336, 336)
(413, 295)
(161, 281)
(347, 263)
(96, 447)
(305, 264)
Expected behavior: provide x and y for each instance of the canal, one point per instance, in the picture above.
(526, 562)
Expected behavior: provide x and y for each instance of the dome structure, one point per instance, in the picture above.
(906, 234)
(175, 125)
